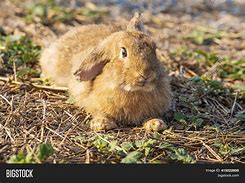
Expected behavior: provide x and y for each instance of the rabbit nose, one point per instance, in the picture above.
(141, 80)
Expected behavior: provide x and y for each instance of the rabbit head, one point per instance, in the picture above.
(129, 56)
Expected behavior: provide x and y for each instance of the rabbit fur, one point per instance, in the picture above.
(113, 74)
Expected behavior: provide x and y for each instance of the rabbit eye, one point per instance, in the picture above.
(124, 53)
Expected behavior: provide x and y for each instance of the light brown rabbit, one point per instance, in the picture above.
(115, 75)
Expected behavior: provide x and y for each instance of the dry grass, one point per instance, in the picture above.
(30, 116)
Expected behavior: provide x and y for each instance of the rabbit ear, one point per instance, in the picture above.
(136, 24)
(91, 65)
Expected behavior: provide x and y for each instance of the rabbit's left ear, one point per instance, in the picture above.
(136, 23)
(91, 65)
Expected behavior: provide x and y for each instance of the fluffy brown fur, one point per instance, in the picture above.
(56, 60)
(114, 75)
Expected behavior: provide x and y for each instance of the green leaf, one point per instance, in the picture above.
(144, 143)
(100, 144)
(238, 151)
(147, 151)
(39, 10)
(229, 149)
(139, 143)
(27, 72)
(20, 158)
(113, 145)
(196, 121)
(180, 154)
(157, 136)
(197, 36)
(132, 157)
(166, 145)
(199, 122)
(178, 116)
(127, 146)
(196, 79)
(45, 150)
(240, 116)
(21, 51)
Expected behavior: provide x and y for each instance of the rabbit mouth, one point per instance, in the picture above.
(146, 87)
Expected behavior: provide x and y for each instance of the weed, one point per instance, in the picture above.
(91, 10)
(192, 120)
(50, 12)
(133, 157)
(43, 152)
(240, 116)
(127, 146)
(21, 52)
(229, 149)
(176, 153)
(178, 116)
(101, 143)
(145, 145)
(211, 63)
(233, 69)
(180, 154)
(205, 85)
(133, 152)
(21, 158)
(199, 37)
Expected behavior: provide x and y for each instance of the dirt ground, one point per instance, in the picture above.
(202, 47)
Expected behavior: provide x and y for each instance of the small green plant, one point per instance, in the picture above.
(198, 56)
(127, 146)
(176, 153)
(101, 144)
(21, 158)
(92, 10)
(240, 116)
(48, 13)
(165, 145)
(240, 88)
(229, 149)
(233, 69)
(19, 49)
(192, 120)
(200, 37)
(214, 66)
(51, 12)
(137, 151)
(180, 154)
(178, 116)
(205, 85)
(21, 53)
(43, 152)
(133, 157)
(145, 145)
(196, 121)
(27, 73)
(197, 36)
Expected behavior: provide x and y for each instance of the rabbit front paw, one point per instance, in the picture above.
(102, 123)
(155, 125)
